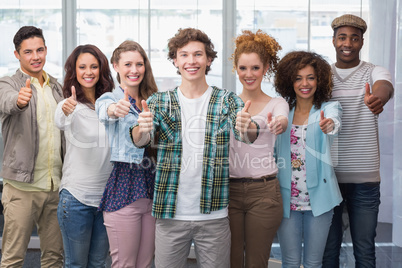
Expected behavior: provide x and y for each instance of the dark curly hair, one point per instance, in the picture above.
(183, 37)
(286, 75)
(148, 85)
(105, 83)
(261, 43)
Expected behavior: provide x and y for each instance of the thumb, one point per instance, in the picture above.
(367, 90)
(144, 106)
(269, 117)
(28, 83)
(126, 94)
(246, 106)
(322, 115)
(73, 94)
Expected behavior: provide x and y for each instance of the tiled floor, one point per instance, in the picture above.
(388, 255)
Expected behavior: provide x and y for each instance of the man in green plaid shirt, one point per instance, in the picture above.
(192, 176)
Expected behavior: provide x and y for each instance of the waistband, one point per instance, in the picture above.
(261, 179)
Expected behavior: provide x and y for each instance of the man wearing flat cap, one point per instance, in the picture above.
(363, 89)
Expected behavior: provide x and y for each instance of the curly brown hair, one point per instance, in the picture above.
(105, 83)
(183, 37)
(261, 43)
(148, 85)
(286, 75)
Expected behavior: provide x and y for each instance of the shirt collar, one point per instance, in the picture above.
(46, 78)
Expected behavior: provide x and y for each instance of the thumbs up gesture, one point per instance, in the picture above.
(122, 106)
(326, 124)
(145, 119)
(243, 119)
(373, 102)
(25, 94)
(274, 125)
(69, 105)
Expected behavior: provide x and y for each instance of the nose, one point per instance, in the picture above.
(304, 81)
(35, 55)
(191, 59)
(347, 42)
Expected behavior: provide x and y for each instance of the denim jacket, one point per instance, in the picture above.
(122, 148)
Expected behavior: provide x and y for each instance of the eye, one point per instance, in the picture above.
(298, 79)
(255, 68)
(140, 64)
(242, 68)
(95, 67)
(127, 64)
(82, 67)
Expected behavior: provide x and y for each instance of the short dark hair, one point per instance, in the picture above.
(184, 36)
(24, 33)
(286, 75)
(105, 83)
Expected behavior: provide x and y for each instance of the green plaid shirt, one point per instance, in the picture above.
(221, 117)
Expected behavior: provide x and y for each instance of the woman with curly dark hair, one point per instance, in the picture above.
(86, 166)
(255, 205)
(308, 184)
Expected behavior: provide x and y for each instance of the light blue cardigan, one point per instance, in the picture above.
(121, 147)
(322, 184)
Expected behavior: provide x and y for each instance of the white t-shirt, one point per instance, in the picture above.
(87, 166)
(193, 119)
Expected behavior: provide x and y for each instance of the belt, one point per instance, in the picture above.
(262, 179)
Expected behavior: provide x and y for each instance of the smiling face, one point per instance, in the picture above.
(32, 56)
(348, 41)
(192, 61)
(305, 84)
(131, 69)
(87, 69)
(251, 71)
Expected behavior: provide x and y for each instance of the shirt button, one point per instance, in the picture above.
(325, 180)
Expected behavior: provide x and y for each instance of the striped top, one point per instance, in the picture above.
(356, 154)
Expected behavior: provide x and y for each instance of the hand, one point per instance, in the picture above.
(145, 119)
(326, 124)
(25, 95)
(243, 119)
(373, 102)
(70, 103)
(122, 106)
(274, 126)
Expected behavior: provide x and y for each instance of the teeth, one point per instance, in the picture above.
(192, 69)
(133, 77)
(347, 51)
(304, 90)
(249, 81)
(88, 79)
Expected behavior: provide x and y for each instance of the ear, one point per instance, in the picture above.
(115, 67)
(16, 54)
(209, 62)
(333, 40)
(175, 63)
(266, 69)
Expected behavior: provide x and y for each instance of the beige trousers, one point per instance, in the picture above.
(22, 211)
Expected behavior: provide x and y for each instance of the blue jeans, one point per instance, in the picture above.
(84, 235)
(362, 202)
(300, 227)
